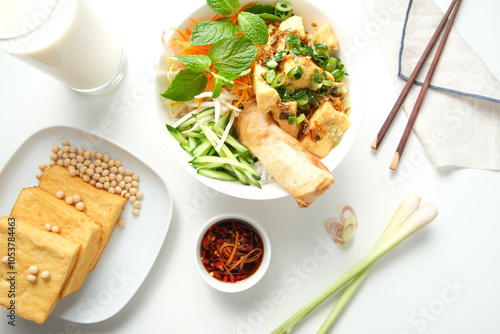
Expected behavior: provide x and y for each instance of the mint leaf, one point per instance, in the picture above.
(271, 17)
(186, 85)
(224, 79)
(220, 81)
(196, 63)
(265, 12)
(224, 7)
(253, 27)
(259, 9)
(233, 54)
(209, 32)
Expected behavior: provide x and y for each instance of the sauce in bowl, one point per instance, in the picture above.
(231, 250)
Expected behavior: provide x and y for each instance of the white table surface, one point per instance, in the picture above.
(444, 279)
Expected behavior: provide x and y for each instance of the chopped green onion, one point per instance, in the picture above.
(271, 63)
(291, 118)
(306, 106)
(283, 6)
(292, 41)
(300, 118)
(303, 97)
(279, 56)
(331, 64)
(322, 50)
(295, 73)
(316, 80)
(278, 80)
(290, 89)
(338, 74)
(270, 76)
(303, 101)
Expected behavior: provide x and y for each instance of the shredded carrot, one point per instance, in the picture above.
(243, 89)
(199, 101)
(180, 33)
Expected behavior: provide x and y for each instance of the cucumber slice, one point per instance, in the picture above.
(177, 135)
(216, 174)
(191, 120)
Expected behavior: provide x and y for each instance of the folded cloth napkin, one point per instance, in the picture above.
(459, 120)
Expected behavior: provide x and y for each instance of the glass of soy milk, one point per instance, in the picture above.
(65, 39)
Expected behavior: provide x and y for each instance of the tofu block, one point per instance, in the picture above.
(33, 247)
(267, 97)
(292, 129)
(308, 68)
(294, 24)
(38, 207)
(105, 208)
(331, 124)
(326, 35)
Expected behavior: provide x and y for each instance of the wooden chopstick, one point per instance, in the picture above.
(421, 95)
(411, 79)
(385, 127)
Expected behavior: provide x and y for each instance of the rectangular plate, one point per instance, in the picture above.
(131, 250)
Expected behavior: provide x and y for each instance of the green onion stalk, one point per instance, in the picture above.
(409, 218)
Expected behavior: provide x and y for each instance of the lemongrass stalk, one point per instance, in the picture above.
(417, 220)
(407, 207)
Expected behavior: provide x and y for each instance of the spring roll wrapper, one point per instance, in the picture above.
(298, 171)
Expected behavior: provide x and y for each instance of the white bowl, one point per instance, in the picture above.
(243, 284)
(341, 22)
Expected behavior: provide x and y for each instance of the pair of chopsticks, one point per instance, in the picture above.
(455, 5)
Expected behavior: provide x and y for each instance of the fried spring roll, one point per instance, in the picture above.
(297, 170)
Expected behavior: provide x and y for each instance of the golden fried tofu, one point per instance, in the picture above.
(38, 207)
(308, 69)
(294, 24)
(47, 251)
(325, 35)
(267, 97)
(291, 109)
(328, 122)
(105, 208)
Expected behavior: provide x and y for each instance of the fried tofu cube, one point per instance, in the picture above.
(294, 24)
(267, 97)
(47, 251)
(291, 109)
(105, 208)
(38, 208)
(326, 35)
(331, 124)
(308, 68)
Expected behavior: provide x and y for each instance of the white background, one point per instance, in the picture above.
(407, 292)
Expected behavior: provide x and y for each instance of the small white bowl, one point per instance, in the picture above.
(243, 284)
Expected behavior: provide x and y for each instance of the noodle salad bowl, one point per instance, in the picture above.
(269, 188)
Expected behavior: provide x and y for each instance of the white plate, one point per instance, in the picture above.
(131, 250)
(341, 24)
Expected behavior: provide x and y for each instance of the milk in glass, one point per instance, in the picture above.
(63, 38)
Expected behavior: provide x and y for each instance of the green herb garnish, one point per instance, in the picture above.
(231, 58)
(209, 32)
(230, 55)
(251, 25)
